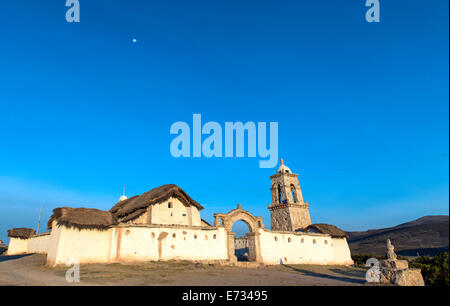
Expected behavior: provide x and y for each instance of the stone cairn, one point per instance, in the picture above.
(397, 272)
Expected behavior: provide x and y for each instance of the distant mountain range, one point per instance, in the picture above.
(425, 236)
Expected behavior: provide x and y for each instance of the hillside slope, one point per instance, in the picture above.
(425, 236)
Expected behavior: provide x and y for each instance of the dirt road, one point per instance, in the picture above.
(31, 270)
(22, 270)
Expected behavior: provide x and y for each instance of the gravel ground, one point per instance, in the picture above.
(31, 270)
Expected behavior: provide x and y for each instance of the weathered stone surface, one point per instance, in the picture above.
(390, 250)
(409, 277)
(394, 271)
(394, 264)
(387, 276)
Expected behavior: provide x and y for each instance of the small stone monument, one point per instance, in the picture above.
(397, 272)
(390, 250)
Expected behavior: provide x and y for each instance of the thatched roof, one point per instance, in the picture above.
(82, 218)
(133, 207)
(22, 233)
(329, 229)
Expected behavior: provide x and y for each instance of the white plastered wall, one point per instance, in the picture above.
(299, 248)
(341, 252)
(39, 244)
(178, 214)
(17, 246)
(83, 245)
(136, 244)
(167, 243)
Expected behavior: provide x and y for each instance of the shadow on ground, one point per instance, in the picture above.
(343, 278)
(354, 273)
(12, 257)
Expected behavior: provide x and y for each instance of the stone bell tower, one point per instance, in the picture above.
(288, 211)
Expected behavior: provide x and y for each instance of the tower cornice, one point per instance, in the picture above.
(283, 174)
(284, 205)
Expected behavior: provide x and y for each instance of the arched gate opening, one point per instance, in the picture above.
(252, 237)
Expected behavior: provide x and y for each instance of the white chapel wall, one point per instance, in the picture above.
(171, 243)
(341, 252)
(295, 248)
(86, 245)
(136, 244)
(177, 214)
(17, 246)
(39, 243)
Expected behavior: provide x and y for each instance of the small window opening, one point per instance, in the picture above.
(280, 197)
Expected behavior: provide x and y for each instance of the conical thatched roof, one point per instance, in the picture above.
(82, 218)
(329, 229)
(22, 233)
(133, 207)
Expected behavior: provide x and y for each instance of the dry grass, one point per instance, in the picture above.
(146, 273)
(195, 274)
(320, 269)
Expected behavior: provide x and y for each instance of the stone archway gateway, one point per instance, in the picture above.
(254, 224)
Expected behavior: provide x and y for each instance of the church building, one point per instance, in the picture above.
(165, 224)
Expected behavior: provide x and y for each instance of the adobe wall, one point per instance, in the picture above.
(178, 214)
(17, 246)
(84, 245)
(39, 243)
(140, 243)
(341, 252)
(303, 248)
(136, 243)
(170, 243)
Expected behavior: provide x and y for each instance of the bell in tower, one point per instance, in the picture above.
(288, 211)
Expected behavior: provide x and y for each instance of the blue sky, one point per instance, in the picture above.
(362, 108)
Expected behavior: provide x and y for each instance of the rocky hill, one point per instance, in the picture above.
(428, 235)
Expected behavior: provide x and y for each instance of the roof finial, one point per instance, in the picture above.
(123, 197)
(281, 161)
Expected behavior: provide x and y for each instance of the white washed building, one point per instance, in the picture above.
(165, 224)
